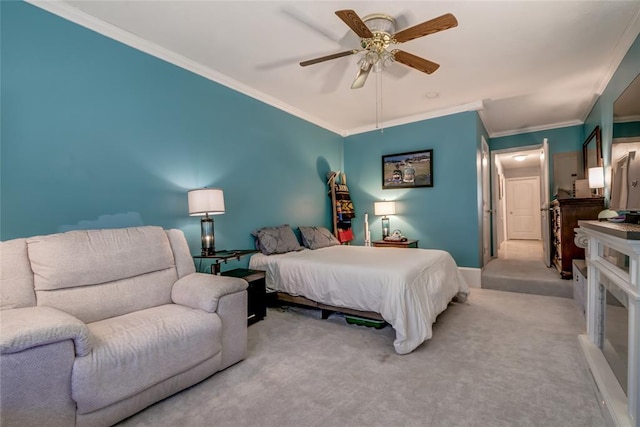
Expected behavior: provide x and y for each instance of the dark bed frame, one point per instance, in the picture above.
(327, 310)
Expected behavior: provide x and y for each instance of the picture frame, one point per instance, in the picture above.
(412, 169)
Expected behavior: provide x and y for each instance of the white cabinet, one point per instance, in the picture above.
(612, 343)
(580, 284)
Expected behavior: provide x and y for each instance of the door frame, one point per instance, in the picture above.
(486, 202)
(495, 190)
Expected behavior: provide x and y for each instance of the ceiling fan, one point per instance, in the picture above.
(377, 32)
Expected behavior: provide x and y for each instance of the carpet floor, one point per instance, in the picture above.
(525, 276)
(501, 359)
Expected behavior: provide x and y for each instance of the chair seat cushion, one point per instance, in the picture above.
(134, 351)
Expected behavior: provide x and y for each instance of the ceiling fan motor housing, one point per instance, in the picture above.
(383, 27)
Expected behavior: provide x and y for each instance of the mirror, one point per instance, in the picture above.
(625, 150)
(592, 151)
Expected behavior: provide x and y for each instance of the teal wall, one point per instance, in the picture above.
(97, 134)
(561, 140)
(443, 216)
(602, 112)
(626, 130)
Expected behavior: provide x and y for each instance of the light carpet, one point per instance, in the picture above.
(525, 276)
(501, 359)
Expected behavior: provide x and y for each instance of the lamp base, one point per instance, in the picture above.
(207, 236)
(385, 227)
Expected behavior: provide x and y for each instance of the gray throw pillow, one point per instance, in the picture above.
(277, 240)
(317, 237)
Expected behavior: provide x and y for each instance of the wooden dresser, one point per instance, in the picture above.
(565, 214)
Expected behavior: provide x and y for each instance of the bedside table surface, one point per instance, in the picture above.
(394, 241)
(245, 273)
(230, 254)
(395, 244)
(222, 257)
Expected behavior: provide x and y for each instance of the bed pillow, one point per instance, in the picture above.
(317, 237)
(277, 240)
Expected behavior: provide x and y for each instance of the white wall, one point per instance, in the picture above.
(522, 172)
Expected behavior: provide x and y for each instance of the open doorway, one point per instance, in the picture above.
(517, 232)
(520, 201)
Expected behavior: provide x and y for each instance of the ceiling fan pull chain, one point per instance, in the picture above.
(379, 110)
(377, 100)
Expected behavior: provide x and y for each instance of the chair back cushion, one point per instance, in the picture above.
(97, 274)
(16, 277)
(181, 253)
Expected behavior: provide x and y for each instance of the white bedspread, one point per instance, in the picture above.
(408, 287)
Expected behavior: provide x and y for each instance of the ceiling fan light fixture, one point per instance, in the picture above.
(380, 23)
(371, 57)
(387, 58)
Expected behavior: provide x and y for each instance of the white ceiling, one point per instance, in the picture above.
(508, 161)
(524, 65)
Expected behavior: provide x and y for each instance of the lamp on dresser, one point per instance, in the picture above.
(596, 179)
(206, 201)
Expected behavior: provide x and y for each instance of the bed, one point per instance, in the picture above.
(408, 288)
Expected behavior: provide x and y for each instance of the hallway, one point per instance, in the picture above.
(519, 268)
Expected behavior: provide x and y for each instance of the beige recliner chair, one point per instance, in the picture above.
(97, 325)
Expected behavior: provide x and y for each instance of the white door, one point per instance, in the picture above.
(486, 207)
(545, 221)
(523, 211)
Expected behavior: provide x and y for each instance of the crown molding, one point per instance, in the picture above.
(485, 121)
(472, 106)
(627, 119)
(70, 13)
(621, 49)
(537, 128)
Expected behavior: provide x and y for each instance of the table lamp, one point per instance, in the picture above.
(206, 201)
(384, 208)
(596, 178)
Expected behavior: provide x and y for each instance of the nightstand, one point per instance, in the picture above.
(256, 292)
(222, 257)
(395, 244)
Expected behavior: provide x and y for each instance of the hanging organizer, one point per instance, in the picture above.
(342, 209)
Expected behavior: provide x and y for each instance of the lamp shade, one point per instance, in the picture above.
(596, 177)
(204, 201)
(384, 208)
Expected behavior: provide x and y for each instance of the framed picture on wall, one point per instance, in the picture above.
(407, 170)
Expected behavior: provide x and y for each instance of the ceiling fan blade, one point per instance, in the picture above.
(434, 25)
(354, 22)
(328, 57)
(361, 77)
(416, 62)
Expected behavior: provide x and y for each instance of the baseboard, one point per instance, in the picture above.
(472, 276)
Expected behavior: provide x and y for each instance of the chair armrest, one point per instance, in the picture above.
(24, 328)
(203, 291)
